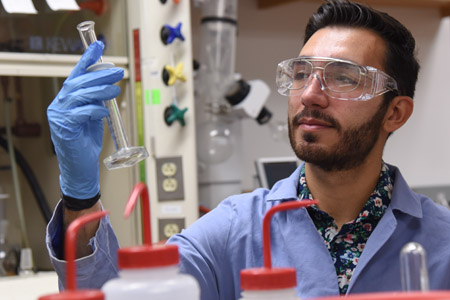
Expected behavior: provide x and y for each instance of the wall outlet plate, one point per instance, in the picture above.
(169, 227)
(169, 175)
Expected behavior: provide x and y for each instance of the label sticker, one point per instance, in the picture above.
(156, 96)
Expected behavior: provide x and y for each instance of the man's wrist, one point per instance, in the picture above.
(75, 204)
(89, 231)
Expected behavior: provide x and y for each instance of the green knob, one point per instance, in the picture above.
(173, 113)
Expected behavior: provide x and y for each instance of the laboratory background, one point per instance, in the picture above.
(198, 94)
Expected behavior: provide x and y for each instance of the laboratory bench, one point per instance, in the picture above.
(29, 287)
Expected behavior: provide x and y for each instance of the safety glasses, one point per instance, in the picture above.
(340, 79)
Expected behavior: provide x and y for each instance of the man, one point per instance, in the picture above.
(350, 88)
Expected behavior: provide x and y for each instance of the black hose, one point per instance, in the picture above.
(32, 181)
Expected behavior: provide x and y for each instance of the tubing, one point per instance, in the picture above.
(266, 224)
(19, 204)
(32, 181)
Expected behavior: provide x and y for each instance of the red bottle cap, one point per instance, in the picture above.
(148, 256)
(76, 295)
(268, 278)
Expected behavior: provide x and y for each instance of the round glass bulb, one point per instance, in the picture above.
(214, 142)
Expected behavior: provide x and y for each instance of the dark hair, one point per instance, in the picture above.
(400, 61)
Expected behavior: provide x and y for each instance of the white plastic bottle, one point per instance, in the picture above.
(269, 284)
(282, 294)
(149, 272)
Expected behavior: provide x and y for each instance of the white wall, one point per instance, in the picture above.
(266, 37)
(422, 147)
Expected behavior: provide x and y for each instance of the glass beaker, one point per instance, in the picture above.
(125, 155)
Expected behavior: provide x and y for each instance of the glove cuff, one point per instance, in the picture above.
(79, 204)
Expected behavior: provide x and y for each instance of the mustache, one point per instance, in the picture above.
(308, 113)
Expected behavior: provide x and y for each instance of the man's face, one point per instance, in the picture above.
(337, 134)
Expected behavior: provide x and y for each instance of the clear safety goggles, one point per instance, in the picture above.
(341, 79)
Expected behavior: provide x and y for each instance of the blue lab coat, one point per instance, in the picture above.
(228, 239)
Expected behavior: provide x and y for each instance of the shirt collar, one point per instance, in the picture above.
(384, 184)
(403, 198)
(375, 206)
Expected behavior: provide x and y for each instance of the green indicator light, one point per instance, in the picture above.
(156, 96)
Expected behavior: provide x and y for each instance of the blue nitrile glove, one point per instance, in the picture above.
(76, 127)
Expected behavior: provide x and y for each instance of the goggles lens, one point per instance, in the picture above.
(340, 79)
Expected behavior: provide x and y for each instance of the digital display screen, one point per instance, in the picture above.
(278, 170)
(272, 169)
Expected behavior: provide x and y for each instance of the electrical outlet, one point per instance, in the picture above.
(169, 227)
(169, 175)
(169, 185)
(169, 169)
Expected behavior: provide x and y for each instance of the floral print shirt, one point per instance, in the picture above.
(346, 246)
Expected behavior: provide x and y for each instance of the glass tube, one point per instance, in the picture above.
(413, 267)
(125, 156)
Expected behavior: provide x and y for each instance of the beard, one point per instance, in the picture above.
(354, 145)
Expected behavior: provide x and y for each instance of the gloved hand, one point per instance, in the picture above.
(76, 127)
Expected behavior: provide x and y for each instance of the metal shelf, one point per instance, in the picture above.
(47, 65)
